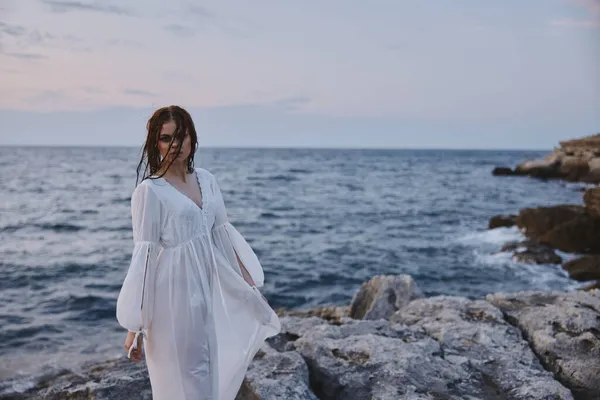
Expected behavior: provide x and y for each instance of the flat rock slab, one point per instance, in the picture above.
(475, 338)
(112, 380)
(451, 351)
(564, 331)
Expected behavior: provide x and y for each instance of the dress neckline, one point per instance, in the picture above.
(202, 198)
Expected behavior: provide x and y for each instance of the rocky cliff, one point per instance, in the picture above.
(392, 343)
(576, 160)
(569, 228)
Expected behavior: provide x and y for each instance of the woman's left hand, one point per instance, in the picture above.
(136, 354)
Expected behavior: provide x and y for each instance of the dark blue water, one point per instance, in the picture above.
(321, 221)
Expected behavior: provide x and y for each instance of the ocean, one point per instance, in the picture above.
(321, 222)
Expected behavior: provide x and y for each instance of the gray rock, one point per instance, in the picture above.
(376, 360)
(275, 376)
(293, 328)
(474, 336)
(538, 254)
(383, 295)
(112, 380)
(437, 348)
(385, 360)
(564, 331)
(531, 252)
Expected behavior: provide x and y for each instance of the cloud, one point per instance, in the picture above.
(45, 96)
(180, 30)
(198, 11)
(62, 6)
(27, 41)
(26, 56)
(11, 30)
(138, 92)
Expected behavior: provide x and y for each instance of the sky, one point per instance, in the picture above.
(282, 73)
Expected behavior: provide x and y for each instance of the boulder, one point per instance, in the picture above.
(376, 360)
(111, 380)
(436, 348)
(593, 175)
(274, 375)
(586, 268)
(503, 171)
(474, 336)
(517, 245)
(518, 346)
(383, 295)
(579, 235)
(575, 160)
(502, 221)
(544, 169)
(564, 331)
(574, 168)
(591, 199)
(556, 156)
(535, 222)
(292, 328)
(532, 252)
(538, 254)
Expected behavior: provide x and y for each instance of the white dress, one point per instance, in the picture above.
(184, 293)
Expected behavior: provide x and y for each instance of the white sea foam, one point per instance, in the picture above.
(497, 236)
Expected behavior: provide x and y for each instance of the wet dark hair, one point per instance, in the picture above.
(150, 162)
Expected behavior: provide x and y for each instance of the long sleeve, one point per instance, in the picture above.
(229, 241)
(136, 298)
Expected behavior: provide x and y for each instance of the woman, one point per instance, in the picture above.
(191, 289)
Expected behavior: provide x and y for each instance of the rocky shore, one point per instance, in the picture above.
(576, 160)
(392, 343)
(568, 228)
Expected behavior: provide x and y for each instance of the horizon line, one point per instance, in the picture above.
(86, 146)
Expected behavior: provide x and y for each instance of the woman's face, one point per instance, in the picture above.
(164, 141)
